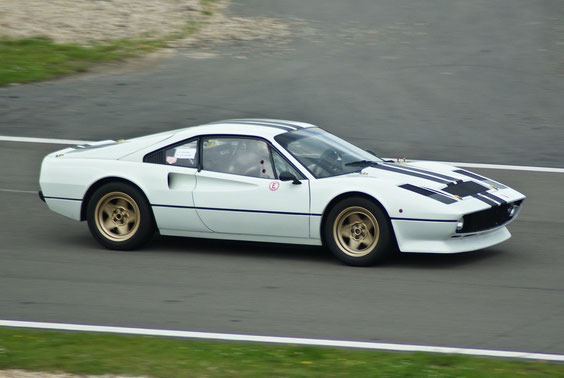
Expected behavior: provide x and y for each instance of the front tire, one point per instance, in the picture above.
(357, 231)
(119, 217)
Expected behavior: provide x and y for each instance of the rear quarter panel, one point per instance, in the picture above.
(69, 178)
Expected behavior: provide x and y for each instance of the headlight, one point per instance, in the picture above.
(460, 225)
(511, 210)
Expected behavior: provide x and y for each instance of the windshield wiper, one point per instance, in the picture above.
(363, 163)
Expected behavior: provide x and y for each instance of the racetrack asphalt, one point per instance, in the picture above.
(463, 81)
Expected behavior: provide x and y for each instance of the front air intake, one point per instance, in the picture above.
(487, 219)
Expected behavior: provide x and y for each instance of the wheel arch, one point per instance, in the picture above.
(101, 182)
(344, 196)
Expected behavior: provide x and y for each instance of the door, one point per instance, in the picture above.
(171, 195)
(238, 190)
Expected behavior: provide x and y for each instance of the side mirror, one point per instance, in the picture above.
(287, 176)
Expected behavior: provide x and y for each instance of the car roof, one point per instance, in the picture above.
(251, 126)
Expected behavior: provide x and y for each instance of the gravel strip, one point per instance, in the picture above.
(91, 21)
(85, 21)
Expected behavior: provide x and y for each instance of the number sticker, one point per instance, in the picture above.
(185, 153)
(274, 185)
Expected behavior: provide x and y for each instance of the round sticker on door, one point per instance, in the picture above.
(274, 185)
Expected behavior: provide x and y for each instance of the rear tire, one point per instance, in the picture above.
(357, 231)
(119, 217)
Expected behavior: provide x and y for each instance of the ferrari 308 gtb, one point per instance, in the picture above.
(274, 181)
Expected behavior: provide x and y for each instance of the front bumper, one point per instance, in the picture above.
(441, 237)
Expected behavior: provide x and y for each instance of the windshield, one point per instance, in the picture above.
(322, 153)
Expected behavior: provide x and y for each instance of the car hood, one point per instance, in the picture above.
(440, 181)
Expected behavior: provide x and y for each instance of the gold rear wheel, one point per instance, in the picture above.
(117, 216)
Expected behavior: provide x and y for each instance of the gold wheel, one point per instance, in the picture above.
(117, 216)
(356, 231)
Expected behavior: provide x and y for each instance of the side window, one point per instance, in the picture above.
(238, 156)
(185, 155)
(281, 165)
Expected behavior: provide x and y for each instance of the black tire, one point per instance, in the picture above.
(119, 217)
(358, 232)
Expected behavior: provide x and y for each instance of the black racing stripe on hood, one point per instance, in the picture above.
(470, 174)
(387, 167)
(480, 178)
(428, 193)
(465, 188)
(431, 173)
(495, 198)
(486, 200)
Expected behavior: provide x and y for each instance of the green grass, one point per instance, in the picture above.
(28, 60)
(90, 353)
(36, 59)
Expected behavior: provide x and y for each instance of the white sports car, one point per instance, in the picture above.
(274, 181)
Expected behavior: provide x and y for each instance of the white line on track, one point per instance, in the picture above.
(283, 340)
(506, 167)
(457, 164)
(18, 191)
(40, 140)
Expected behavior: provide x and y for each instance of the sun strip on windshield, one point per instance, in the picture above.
(253, 123)
(269, 122)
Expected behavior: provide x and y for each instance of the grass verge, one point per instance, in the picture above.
(35, 59)
(92, 353)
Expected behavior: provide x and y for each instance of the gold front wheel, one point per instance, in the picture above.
(356, 231)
